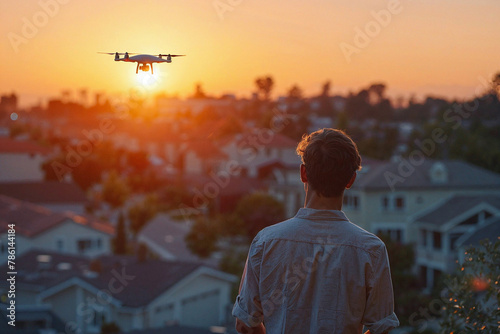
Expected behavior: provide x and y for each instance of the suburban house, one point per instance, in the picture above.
(165, 237)
(251, 150)
(54, 195)
(21, 160)
(32, 319)
(41, 228)
(387, 195)
(458, 220)
(135, 294)
(283, 182)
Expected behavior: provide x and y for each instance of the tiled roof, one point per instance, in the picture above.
(169, 235)
(490, 230)
(145, 281)
(9, 145)
(44, 192)
(32, 219)
(460, 175)
(454, 207)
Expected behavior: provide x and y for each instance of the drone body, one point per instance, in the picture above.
(144, 61)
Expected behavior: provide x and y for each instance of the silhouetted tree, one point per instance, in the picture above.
(110, 328)
(114, 191)
(141, 213)
(259, 210)
(202, 238)
(264, 86)
(295, 93)
(198, 92)
(87, 173)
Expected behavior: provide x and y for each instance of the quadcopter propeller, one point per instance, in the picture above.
(169, 55)
(120, 53)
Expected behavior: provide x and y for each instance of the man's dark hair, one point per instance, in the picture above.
(331, 158)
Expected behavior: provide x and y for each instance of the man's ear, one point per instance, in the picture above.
(303, 175)
(351, 181)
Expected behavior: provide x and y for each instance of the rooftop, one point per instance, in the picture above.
(40, 270)
(9, 145)
(430, 174)
(454, 207)
(32, 220)
(44, 192)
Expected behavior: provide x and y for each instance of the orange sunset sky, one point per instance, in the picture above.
(436, 47)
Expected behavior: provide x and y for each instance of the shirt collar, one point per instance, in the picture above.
(313, 214)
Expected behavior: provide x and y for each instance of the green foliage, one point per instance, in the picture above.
(474, 292)
(115, 191)
(87, 173)
(141, 213)
(407, 295)
(172, 196)
(202, 238)
(110, 328)
(259, 210)
(120, 240)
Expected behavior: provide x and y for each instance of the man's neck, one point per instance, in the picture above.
(314, 201)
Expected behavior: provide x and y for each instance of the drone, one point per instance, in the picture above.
(144, 62)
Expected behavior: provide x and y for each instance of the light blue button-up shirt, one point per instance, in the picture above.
(317, 273)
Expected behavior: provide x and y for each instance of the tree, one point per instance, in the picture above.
(87, 173)
(110, 328)
(295, 93)
(115, 191)
(495, 83)
(264, 86)
(141, 213)
(259, 210)
(198, 92)
(202, 238)
(473, 292)
(120, 240)
(407, 295)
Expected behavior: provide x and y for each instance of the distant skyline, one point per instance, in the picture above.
(429, 47)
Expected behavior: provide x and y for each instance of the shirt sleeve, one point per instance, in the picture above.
(248, 307)
(379, 316)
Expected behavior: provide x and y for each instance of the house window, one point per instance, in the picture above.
(423, 275)
(3, 249)
(400, 203)
(437, 276)
(99, 243)
(385, 203)
(436, 240)
(98, 319)
(393, 203)
(395, 234)
(60, 245)
(83, 245)
(351, 201)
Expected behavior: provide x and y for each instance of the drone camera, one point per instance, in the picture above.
(144, 68)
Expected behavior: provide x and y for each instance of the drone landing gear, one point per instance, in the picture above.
(151, 68)
(137, 69)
